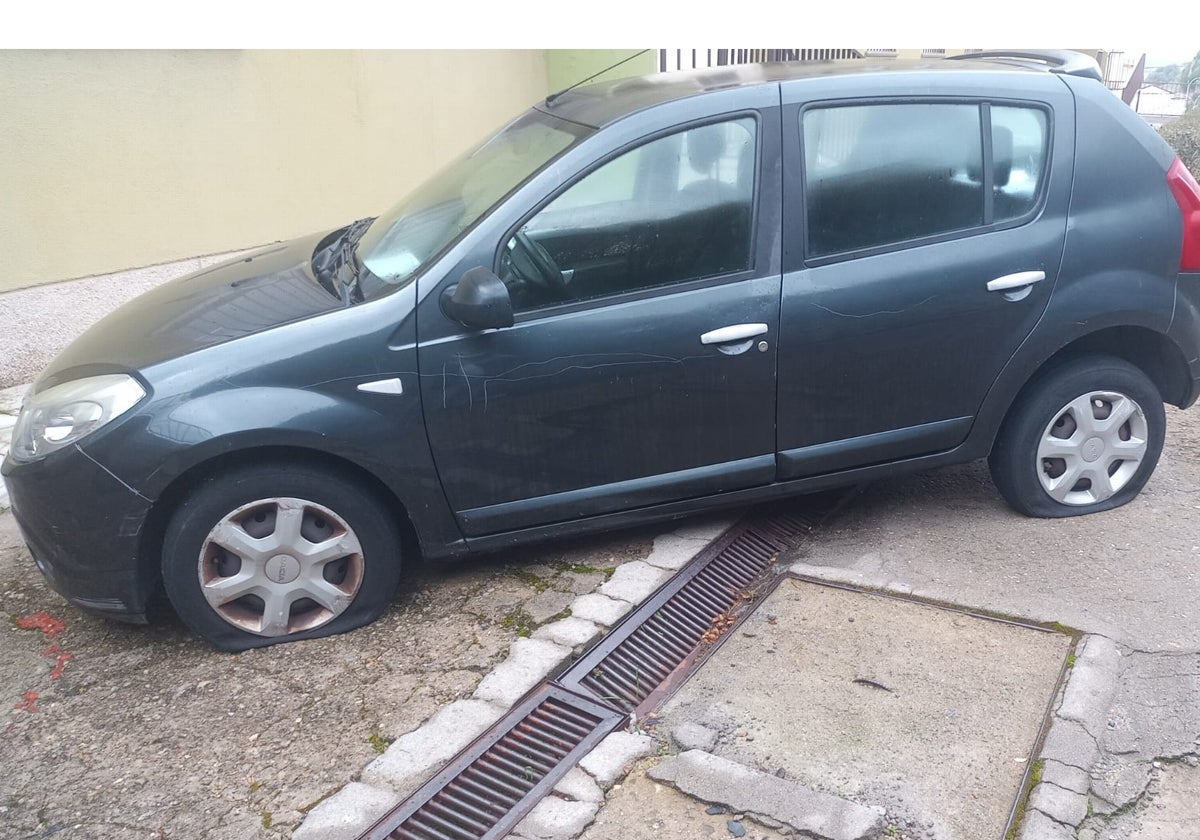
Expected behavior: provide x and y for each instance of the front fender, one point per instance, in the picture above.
(378, 433)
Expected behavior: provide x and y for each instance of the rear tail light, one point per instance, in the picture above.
(1187, 194)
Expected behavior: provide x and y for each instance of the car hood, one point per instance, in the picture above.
(248, 295)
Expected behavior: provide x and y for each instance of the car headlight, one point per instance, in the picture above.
(59, 416)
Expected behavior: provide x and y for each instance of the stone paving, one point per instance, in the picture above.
(417, 755)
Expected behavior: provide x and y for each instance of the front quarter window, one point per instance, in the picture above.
(436, 213)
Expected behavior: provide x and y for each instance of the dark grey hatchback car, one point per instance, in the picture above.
(639, 300)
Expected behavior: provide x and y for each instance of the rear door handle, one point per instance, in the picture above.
(735, 332)
(1015, 281)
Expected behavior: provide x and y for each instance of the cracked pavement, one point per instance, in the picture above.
(148, 732)
(1131, 575)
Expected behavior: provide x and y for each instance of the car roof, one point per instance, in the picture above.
(601, 103)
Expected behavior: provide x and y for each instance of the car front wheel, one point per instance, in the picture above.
(270, 554)
(1085, 437)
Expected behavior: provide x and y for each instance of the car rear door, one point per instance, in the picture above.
(923, 238)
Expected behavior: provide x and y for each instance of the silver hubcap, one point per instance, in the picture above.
(280, 566)
(1092, 448)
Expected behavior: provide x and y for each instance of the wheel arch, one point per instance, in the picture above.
(168, 501)
(1152, 352)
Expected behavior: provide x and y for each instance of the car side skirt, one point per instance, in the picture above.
(873, 449)
(968, 451)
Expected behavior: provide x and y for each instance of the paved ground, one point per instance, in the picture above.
(1132, 575)
(150, 733)
(928, 713)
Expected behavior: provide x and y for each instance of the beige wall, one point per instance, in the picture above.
(568, 67)
(111, 160)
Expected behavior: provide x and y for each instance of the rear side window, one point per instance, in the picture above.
(1019, 152)
(882, 174)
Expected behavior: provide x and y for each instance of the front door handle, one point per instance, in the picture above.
(1015, 281)
(735, 332)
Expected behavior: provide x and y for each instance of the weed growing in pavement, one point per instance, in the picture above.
(378, 742)
(539, 584)
(520, 621)
(576, 568)
(266, 819)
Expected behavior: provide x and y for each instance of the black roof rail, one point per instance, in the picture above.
(1068, 62)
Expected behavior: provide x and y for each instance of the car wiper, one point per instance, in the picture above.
(343, 268)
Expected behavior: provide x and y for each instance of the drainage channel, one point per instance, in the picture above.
(495, 781)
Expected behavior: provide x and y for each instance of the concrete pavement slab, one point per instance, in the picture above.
(615, 755)
(931, 713)
(346, 814)
(711, 778)
(1172, 813)
(412, 756)
(642, 809)
(529, 662)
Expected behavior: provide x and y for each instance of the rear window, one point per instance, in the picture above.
(882, 174)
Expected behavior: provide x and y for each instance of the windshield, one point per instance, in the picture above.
(432, 216)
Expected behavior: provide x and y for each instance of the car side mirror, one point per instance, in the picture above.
(480, 300)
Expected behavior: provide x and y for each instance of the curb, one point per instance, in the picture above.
(418, 754)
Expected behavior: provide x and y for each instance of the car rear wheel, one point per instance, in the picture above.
(1085, 437)
(271, 554)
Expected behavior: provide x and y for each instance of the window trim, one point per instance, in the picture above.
(649, 291)
(984, 105)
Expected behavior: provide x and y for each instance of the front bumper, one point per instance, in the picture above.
(83, 528)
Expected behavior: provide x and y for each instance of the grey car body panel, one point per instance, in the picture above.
(570, 412)
(911, 327)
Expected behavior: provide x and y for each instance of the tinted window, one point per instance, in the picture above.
(675, 209)
(1019, 151)
(879, 174)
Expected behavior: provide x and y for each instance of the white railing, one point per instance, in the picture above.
(692, 59)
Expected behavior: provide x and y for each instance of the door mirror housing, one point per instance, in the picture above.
(479, 300)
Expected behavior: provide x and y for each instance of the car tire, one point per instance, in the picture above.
(1061, 453)
(279, 553)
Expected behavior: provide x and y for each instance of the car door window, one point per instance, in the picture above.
(675, 209)
(880, 174)
(1019, 152)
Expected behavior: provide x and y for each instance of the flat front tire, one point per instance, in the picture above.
(1085, 437)
(268, 554)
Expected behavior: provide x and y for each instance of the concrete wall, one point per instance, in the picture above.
(116, 159)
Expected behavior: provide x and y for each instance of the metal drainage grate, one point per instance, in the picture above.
(494, 782)
(640, 655)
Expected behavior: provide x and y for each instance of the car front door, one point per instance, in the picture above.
(924, 236)
(641, 367)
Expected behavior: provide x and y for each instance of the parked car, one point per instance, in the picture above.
(641, 299)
